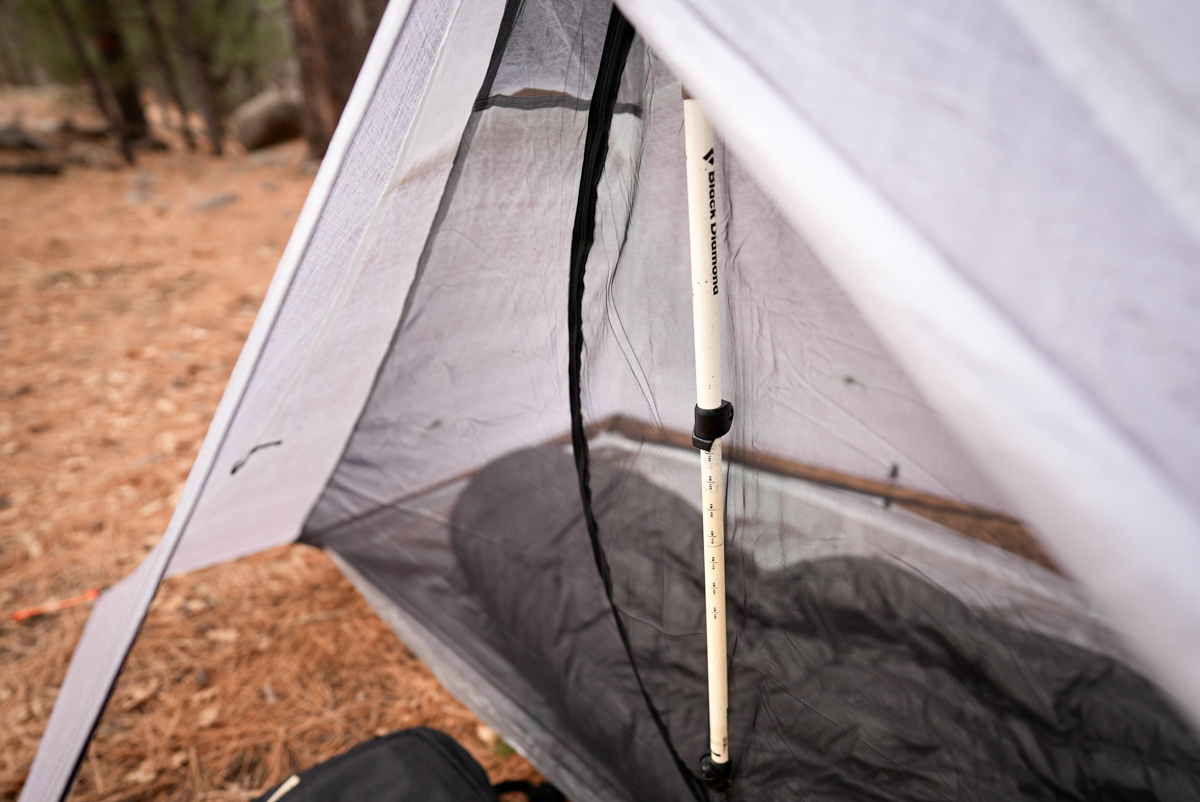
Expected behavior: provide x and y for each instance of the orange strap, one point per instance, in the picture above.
(61, 604)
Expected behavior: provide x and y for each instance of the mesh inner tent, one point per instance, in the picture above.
(893, 634)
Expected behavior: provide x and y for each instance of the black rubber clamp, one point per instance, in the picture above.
(712, 424)
(717, 776)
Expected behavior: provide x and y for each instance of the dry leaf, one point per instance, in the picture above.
(143, 774)
(486, 735)
(208, 716)
(204, 695)
(33, 546)
(222, 635)
(135, 695)
(194, 606)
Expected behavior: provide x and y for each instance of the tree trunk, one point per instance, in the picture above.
(201, 74)
(104, 99)
(373, 11)
(163, 54)
(121, 70)
(8, 60)
(16, 68)
(330, 52)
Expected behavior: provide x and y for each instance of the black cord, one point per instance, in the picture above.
(595, 151)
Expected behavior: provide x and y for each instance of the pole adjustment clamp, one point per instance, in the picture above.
(711, 425)
(717, 776)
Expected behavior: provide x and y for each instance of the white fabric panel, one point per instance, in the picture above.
(1104, 504)
(1140, 96)
(1163, 32)
(350, 289)
(290, 315)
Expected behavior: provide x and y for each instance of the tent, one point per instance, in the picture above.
(959, 245)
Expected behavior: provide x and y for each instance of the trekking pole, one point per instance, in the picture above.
(713, 419)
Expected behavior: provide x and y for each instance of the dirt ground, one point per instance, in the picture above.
(125, 295)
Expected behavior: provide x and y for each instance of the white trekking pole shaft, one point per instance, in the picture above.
(713, 417)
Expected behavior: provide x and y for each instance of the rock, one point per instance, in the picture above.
(15, 137)
(269, 118)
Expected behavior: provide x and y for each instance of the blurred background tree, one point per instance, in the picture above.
(204, 56)
(332, 38)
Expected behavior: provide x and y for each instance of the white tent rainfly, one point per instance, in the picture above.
(933, 330)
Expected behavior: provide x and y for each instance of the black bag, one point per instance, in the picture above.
(417, 765)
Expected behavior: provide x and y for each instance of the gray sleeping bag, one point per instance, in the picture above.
(850, 678)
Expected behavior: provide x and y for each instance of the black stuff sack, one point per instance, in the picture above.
(415, 765)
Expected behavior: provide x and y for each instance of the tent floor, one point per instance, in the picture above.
(401, 560)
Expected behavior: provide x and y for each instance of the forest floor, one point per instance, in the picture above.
(125, 296)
